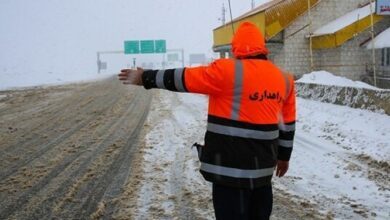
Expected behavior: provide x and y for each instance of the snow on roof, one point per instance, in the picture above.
(326, 78)
(345, 20)
(380, 41)
(262, 7)
(265, 4)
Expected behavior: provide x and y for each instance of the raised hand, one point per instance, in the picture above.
(131, 76)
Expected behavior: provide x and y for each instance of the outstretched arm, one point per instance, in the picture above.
(169, 79)
(200, 79)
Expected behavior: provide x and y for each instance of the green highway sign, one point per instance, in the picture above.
(131, 47)
(147, 46)
(160, 46)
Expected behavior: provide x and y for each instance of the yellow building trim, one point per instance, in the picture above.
(281, 15)
(223, 35)
(271, 17)
(333, 40)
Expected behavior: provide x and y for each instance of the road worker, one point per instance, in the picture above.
(250, 125)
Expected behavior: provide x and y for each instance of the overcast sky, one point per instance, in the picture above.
(63, 36)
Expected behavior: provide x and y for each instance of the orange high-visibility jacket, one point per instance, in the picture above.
(251, 115)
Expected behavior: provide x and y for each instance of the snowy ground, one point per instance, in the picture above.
(172, 187)
(13, 80)
(326, 78)
(340, 163)
(341, 160)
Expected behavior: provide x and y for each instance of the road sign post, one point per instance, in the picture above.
(103, 65)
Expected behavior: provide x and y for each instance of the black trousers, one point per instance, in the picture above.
(242, 204)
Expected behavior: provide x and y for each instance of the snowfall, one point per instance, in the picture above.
(335, 148)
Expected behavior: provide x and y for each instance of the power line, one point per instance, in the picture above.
(231, 16)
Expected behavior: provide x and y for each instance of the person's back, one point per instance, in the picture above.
(251, 123)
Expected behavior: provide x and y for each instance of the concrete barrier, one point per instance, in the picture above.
(373, 100)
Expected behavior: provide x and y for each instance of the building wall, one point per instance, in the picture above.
(353, 57)
(348, 60)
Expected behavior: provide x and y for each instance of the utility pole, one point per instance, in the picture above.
(253, 4)
(373, 41)
(182, 57)
(99, 62)
(310, 37)
(134, 63)
(223, 18)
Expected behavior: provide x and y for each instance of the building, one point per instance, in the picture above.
(308, 35)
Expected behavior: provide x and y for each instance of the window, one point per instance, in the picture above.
(386, 57)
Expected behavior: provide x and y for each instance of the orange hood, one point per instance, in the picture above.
(248, 41)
